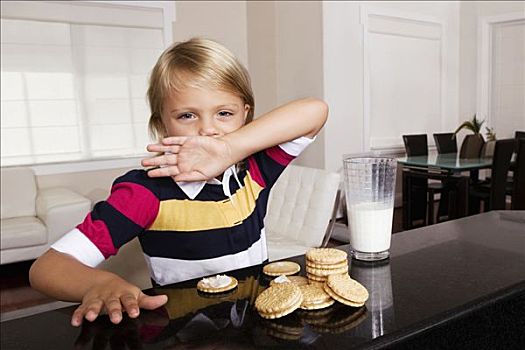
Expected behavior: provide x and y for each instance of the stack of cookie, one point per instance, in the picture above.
(323, 262)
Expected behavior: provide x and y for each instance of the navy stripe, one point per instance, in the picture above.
(206, 244)
(269, 168)
(121, 229)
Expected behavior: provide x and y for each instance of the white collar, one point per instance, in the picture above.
(193, 188)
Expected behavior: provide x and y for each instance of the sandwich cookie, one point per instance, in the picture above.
(217, 284)
(314, 298)
(279, 300)
(346, 290)
(297, 280)
(281, 268)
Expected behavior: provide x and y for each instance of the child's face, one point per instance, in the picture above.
(203, 112)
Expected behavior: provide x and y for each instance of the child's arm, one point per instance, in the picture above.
(201, 158)
(63, 277)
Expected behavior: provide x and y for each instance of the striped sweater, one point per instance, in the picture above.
(186, 230)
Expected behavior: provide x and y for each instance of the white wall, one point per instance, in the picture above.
(354, 89)
(262, 54)
(223, 21)
(300, 62)
(471, 14)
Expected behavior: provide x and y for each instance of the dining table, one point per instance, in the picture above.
(459, 284)
(446, 167)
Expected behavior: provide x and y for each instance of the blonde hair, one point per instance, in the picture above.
(196, 63)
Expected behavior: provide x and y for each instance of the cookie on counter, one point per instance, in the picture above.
(297, 280)
(346, 290)
(279, 300)
(279, 268)
(314, 297)
(217, 284)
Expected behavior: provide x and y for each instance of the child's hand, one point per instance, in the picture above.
(195, 158)
(114, 297)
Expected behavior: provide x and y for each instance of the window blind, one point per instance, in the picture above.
(74, 91)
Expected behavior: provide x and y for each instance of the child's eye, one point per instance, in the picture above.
(185, 116)
(225, 113)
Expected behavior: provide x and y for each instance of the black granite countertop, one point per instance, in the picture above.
(456, 285)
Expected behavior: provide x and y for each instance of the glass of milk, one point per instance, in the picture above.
(369, 191)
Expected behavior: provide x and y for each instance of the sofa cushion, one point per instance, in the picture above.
(22, 232)
(18, 192)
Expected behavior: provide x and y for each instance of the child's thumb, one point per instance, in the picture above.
(152, 302)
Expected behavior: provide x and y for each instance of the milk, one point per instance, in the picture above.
(370, 226)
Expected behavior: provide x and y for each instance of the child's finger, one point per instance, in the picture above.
(152, 302)
(174, 140)
(78, 316)
(114, 309)
(159, 148)
(93, 310)
(166, 171)
(165, 159)
(130, 304)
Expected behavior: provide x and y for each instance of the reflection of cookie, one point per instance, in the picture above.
(217, 284)
(346, 290)
(218, 295)
(297, 280)
(341, 320)
(287, 328)
(281, 268)
(329, 256)
(316, 316)
(314, 297)
(278, 300)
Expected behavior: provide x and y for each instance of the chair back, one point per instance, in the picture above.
(471, 146)
(301, 204)
(518, 191)
(446, 142)
(416, 145)
(500, 168)
(518, 135)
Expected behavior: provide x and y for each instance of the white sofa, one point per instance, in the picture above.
(31, 218)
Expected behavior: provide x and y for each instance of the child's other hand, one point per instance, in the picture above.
(196, 158)
(114, 297)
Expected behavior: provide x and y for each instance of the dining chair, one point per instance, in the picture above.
(517, 136)
(423, 192)
(518, 190)
(493, 193)
(302, 209)
(446, 142)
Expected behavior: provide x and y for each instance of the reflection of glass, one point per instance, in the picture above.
(377, 279)
(369, 193)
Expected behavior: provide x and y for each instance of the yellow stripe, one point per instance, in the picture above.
(192, 215)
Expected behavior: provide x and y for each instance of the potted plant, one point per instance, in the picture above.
(472, 144)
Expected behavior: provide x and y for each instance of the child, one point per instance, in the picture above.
(201, 211)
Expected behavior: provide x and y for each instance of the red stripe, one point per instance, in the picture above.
(98, 233)
(279, 155)
(135, 202)
(255, 172)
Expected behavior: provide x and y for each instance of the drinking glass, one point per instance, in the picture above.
(369, 191)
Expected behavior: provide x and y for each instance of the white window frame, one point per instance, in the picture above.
(169, 16)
